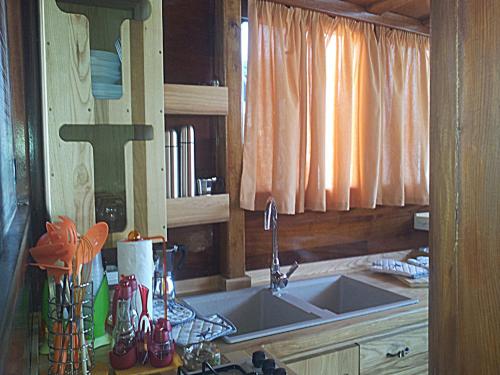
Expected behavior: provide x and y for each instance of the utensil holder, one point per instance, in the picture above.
(71, 330)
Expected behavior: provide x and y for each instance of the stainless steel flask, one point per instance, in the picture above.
(188, 184)
(174, 164)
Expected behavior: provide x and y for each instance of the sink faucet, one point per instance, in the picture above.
(279, 280)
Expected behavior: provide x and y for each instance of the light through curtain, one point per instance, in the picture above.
(337, 116)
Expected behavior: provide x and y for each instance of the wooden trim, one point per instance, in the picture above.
(199, 285)
(236, 283)
(384, 6)
(195, 100)
(204, 209)
(356, 12)
(326, 352)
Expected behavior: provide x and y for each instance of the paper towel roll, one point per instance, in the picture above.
(136, 258)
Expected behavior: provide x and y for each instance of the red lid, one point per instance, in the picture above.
(161, 333)
(132, 280)
(125, 289)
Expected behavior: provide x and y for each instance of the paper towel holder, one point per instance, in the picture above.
(135, 235)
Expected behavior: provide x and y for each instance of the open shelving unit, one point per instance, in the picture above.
(213, 224)
(196, 100)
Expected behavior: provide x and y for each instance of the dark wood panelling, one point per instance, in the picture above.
(202, 256)
(465, 194)
(188, 41)
(315, 236)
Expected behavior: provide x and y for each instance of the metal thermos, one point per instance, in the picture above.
(188, 184)
(172, 163)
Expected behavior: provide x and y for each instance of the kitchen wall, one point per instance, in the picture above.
(190, 58)
(314, 236)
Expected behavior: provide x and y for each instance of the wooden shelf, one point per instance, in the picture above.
(205, 209)
(195, 100)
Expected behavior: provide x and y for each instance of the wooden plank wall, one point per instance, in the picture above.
(465, 194)
(312, 236)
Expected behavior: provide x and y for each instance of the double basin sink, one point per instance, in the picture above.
(257, 312)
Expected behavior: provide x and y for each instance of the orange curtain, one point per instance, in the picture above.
(336, 117)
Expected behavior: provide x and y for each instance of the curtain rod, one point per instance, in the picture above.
(358, 13)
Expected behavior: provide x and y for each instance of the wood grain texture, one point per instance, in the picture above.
(66, 63)
(373, 353)
(340, 362)
(357, 12)
(67, 99)
(233, 240)
(195, 100)
(465, 199)
(154, 189)
(313, 236)
(204, 209)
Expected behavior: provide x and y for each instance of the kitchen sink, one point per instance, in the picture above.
(257, 312)
(343, 295)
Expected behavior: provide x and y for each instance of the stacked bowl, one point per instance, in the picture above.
(106, 74)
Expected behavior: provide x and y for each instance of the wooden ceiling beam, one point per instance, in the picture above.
(384, 6)
(356, 12)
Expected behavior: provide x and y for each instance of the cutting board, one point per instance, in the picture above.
(423, 282)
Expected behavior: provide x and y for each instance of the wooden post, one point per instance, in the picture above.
(228, 50)
(465, 188)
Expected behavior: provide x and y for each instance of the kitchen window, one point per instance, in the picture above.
(337, 113)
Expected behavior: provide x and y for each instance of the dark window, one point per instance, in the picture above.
(8, 197)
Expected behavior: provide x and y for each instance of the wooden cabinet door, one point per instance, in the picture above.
(401, 353)
(341, 362)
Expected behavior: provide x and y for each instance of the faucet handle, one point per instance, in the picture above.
(292, 269)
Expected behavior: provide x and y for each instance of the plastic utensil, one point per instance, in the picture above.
(48, 253)
(97, 236)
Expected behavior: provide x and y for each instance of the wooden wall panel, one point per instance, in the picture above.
(202, 257)
(312, 236)
(188, 41)
(465, 194)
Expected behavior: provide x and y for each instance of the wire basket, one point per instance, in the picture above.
(71, 329)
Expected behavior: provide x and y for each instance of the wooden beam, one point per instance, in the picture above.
(356, 12)
(387, 6)
(465, 199)
(232, 258)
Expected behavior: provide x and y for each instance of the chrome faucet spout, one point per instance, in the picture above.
(278, 280)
